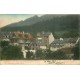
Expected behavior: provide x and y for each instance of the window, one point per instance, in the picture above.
(57, 44)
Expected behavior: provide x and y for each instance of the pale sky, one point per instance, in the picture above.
(6, 19)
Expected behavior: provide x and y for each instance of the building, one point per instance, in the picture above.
(63, 43)
(44, 39)
(38, 45)
(21, 38)
(24, 52)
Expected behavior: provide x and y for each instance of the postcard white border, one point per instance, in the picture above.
(37, 72)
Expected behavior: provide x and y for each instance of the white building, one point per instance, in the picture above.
(24, 51)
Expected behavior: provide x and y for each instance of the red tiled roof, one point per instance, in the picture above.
(24, 36)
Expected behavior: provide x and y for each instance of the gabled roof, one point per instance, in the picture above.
(39, 43)
(64, 41)
(56, 46)
(43, 34)
(58, 41)
(70, 40)
(47, 33)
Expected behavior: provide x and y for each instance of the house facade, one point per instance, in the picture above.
(63, 43)
(44, 39)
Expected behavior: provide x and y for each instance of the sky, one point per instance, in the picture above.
(6, 19)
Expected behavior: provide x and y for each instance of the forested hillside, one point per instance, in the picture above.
(60, 26)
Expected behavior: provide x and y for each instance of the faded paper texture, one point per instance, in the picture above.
(50, 39)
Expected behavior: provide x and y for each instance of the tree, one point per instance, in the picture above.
(4, 43)
(76, 52)
(40, 54)
(29, 55)
(57, 55)
(11, 53)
